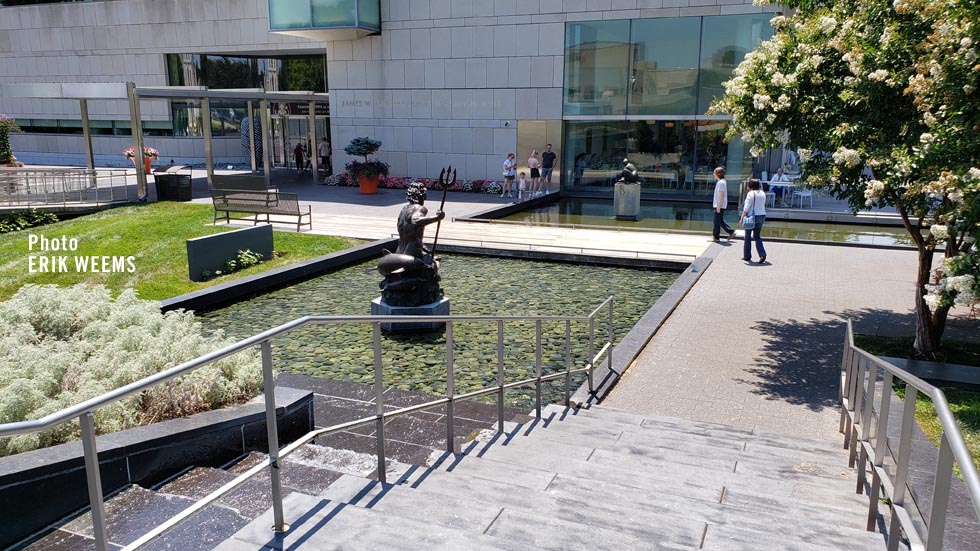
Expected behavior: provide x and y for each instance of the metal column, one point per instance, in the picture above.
(86, 134)
(266, 150)
(313, 145)
(135, 121)
(251, 134)
(208, 151)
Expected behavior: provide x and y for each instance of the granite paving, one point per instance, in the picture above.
(759, 345)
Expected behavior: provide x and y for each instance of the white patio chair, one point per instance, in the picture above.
(803, 194)
(771, 199)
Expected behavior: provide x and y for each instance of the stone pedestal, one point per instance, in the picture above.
(626, 201)
(438, 308)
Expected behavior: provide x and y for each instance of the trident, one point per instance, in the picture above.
(445, 185)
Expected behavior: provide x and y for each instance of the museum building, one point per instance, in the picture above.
(461, 82)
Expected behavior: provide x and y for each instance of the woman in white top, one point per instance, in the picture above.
(755, 204)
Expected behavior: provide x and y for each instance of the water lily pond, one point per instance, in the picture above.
(475, 286)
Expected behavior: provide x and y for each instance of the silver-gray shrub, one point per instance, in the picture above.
(63, 345)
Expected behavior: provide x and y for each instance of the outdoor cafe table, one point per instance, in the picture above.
(787, 187)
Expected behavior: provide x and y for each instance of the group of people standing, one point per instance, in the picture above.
(754, 207)
(541, 170)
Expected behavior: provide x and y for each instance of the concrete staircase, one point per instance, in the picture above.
(597, 479)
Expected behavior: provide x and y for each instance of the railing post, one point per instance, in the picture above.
(612, 336)
(940, 496)
(537, 368)
(272, 429)
(866, 422)
(591, 354)
(902, 464)
(500, 375)
(450, 390)
(881, 441)
(568, 362)
(94, 480)
(379, 399)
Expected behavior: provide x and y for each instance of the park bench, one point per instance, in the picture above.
(250, 182)
(258, 203)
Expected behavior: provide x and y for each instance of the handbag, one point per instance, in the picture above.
(748, 222)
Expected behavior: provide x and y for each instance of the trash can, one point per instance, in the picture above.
(626, 201)
(173, 183)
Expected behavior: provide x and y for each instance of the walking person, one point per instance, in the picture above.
(755, 207)
(298, 157)
(548, 159)
(719, 204)
(535, 167)
(323, 151)
(510, 170)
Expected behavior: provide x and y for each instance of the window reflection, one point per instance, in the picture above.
(597, 55)
(665, 66)
(724, 42)
(594, 152)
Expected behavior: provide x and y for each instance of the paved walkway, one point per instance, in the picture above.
(760, 345)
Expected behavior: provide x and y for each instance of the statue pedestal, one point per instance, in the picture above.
(439, 308)
(626, 201)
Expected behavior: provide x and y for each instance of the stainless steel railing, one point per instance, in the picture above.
(34, 187)
(865, 428)
(85, 410)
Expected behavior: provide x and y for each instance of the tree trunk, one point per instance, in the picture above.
(929, 324)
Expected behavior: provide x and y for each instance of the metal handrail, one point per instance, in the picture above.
(62, 186)
(84, 411)
(866, 435)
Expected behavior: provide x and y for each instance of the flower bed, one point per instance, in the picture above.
(401, 182)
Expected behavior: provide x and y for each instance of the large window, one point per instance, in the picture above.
(595, 75)
(594, 152)
(655, 67)
(664, 74)
(724, 42)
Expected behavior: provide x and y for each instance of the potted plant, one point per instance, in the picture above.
(7, 125)
(366, 173)
(148, 155)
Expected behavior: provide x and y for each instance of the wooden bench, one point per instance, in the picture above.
(250, 182)
(260, 202)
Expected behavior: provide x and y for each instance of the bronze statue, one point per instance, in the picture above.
(411, 273)
(630, 174)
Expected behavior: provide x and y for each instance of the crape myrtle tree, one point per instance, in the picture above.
(883, 95)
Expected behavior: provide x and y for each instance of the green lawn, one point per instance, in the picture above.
(964, 404)
(155, 235)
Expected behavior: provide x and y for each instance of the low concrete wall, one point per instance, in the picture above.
(41, 487)
(211, 253)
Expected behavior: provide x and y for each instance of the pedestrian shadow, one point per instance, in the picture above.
(801, 359)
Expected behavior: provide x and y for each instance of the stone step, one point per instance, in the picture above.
(469, 514)
(320, 524)
(631, 420)
(749, 445)
(135, 511)
(526, 512)
(690, 482)
(301, 467)
(725, 538)
(761, 461)
(249, 500)
(569, 498)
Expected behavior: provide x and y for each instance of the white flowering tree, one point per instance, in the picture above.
(889, 86)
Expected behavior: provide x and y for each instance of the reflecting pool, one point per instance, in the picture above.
(696, 217)
(476, 286)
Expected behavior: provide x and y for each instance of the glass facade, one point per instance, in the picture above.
(639, 89)
(664, 66)
(595, 75)
(293, 73)
(324, 14)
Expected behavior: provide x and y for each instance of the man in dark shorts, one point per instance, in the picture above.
(548, 159)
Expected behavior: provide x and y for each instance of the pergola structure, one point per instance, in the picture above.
(128, 91)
